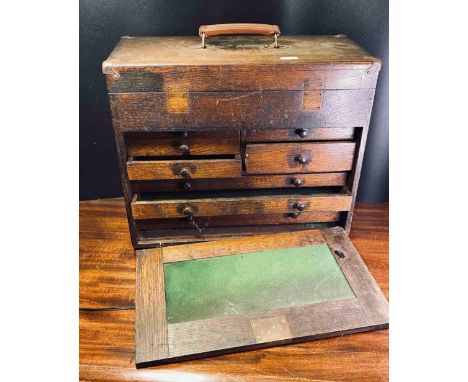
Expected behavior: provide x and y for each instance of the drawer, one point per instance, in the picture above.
(183, 143)
(277, 158)
(149, 207)
(244, 182)
(302, 134)
(183, 169)
(241, 220)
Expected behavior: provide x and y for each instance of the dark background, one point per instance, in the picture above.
(103, 22)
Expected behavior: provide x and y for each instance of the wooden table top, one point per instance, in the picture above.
(107, 315)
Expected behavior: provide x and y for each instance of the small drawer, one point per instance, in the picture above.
(302, 134)
(183, 169)
(244, 182)
(150, 207)
(276, 158)
(183, 143)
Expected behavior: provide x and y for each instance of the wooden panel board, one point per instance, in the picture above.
(150, 325)
(244, 182)
(152, 209)
(225, 78)
(198, 338)
(249, 110)
(306, 134)
(175, 169)
(285, 157)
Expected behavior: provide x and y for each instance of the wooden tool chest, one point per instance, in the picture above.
(243, 137)
(239, 133)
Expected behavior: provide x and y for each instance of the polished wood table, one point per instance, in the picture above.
(107, 314)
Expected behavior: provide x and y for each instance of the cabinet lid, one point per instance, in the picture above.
(218, 297)
(236, 50)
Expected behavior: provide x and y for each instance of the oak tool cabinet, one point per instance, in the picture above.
(232, 144)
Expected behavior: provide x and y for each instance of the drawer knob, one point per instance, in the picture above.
(188, 211)
(184, 149)
(296, 181)
(299, 206)
(300, 159)
(301, 132)
(185, 173)
(294, 215)
(187, 185)
(184, 134)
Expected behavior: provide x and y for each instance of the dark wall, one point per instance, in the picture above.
(103, 22)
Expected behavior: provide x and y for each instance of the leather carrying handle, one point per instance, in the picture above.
(239, 29)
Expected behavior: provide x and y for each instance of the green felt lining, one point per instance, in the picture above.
(253, 282)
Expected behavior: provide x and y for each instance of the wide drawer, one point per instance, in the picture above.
(277, 158)
(183, 169)
(244, 182)
(183, 143)
(240, 220)
(149, 208)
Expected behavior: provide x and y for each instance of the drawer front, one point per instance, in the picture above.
(244, 182)
(183, 143)
(183, 169)
(303, 134)
(277, 158)
(256, 205)
(255, 109)
(241, 220)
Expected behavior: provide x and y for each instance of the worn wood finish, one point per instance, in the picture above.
(256, 109)
(225, 78)
(183, 169)
(163, 52)
(107, 339)
(306, 134)
(150, 326)
(160, 146)
(152, 209)
(241, 245)
(241, 220)
(299, 157)
(168, 237)
(194, 339)
(189, 100)
(244, 182)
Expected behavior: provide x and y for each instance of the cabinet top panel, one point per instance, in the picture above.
(140, 52)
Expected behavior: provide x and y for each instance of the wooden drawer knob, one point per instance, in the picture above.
(185, 173)
(300, 159)
(299, 206)
(184, 149)
(188, 211)
(301, 132)
(296, 181)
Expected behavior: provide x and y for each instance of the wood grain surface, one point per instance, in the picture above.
(244, 182)
(107, 344)
(241, 109)
(277, 158)
(173, 169)
(239, 205)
